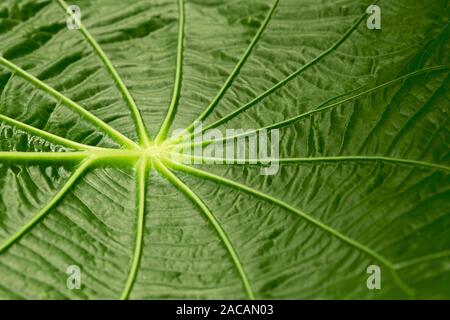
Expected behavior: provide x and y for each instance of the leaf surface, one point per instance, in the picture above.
(86, 117)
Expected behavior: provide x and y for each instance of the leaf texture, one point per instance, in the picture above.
(364, 169)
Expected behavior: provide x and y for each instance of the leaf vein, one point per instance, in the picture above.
(141, 173)
(137, 118)
(53, 202)
(165, 127)
(361, 247)
(214, 222)
(68, 102)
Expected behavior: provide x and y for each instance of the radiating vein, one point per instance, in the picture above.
(237, 68)
(259, 162)
(62, 192)
(214, 222)
(363, 248)
(119, 137)
(141, 174)
(137, 118)
(45, 134)
(322, 107)
(165, 127)
(18, 156)
(426, 258)
(291, 76)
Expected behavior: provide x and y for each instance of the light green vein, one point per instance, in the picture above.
(141, 173)
(17, 156)
(165, 127)
(291, 76)
(423, 259)
(368, 251)
(119, 137)
(137, 118)
(324, 104)
(66, 187)
(212, 219)
(259, 162)
(321, 108)
(237, 68)
(45, 135)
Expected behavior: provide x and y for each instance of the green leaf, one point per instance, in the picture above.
(88, 178)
